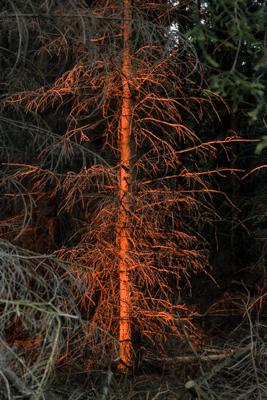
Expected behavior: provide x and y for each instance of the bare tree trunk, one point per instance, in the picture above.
(123, 223)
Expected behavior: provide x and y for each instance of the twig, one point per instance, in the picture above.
(188, 359)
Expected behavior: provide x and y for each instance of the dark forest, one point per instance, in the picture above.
(133, 198)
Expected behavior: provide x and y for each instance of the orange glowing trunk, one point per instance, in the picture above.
(123, 222)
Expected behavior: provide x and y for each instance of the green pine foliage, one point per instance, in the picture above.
(230, 37)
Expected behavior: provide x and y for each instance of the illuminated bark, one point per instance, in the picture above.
(123, 222)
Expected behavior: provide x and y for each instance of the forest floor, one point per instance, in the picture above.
(234, 370)
(225, 360)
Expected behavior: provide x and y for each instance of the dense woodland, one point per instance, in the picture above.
(133, 199)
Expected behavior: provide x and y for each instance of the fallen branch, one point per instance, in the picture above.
(189, 359)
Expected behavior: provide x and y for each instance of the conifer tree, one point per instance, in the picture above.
(106, 172)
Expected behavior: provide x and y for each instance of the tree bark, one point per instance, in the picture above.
(123, 222)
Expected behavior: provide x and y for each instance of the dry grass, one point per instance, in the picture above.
(39, 322)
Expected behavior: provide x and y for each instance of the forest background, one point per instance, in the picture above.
(133, 199)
